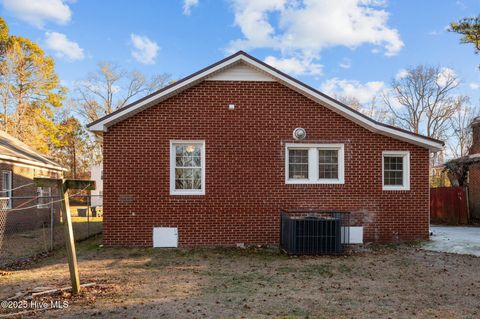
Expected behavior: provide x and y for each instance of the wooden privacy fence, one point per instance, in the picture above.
(448, 205)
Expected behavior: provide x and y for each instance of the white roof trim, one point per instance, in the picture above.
(13, 159)
(103, 124)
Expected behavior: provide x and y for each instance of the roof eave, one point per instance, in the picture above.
(102, 124)
(14, 159)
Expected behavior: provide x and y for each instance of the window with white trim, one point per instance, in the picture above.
(396, 170)
(187, 167)
(7, 186)
(44, 197)
(314, 163)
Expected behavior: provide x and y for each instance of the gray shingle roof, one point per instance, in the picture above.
(13, 150)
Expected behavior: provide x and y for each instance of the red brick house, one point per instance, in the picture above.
(465, 171)
(217, 155)
(473, 179)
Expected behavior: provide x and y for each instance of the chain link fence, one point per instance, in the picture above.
(33, 226)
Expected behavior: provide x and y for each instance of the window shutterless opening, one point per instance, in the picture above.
(7, 185)
(187, 167)
(314, 163)
(396, 170)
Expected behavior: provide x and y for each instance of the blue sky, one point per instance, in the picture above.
(348, 47)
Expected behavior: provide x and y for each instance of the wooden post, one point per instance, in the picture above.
(63, 186)
(69, 239)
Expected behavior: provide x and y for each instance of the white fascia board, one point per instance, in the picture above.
(369, 124)
(13, 159)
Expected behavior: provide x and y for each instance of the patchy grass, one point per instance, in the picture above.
(386, 281)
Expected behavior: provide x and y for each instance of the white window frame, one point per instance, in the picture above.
(406, 171)
(174, 191)
(313, 163)
(44, 194)
(7, 191)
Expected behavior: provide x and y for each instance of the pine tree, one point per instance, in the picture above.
(30, 90)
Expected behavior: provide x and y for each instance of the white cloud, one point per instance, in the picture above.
(447, 75)
(295, 66)
(63, 47)
(474, 86)
(402, 73)
(434, 33)
(364, 93)
(39, 11)
(444, 75)
(345, 64)
(305, 28)
(188, 5)
(145, 50)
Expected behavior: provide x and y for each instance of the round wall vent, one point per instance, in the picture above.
(299, 133)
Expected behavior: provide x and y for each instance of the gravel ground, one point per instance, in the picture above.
(395, 281)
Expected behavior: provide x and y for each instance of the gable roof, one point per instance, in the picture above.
(14, 151)
(102, 124)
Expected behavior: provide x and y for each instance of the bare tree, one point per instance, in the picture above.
(349, 101)
(371, 109)
(461, 139)
(422, 101)
(111, 88)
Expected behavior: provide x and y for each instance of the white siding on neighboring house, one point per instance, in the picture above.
(96, 174)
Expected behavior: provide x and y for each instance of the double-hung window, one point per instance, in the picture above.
(44, 197)
(6, 193)
(396, 170)
(187, 167)
(314, 163)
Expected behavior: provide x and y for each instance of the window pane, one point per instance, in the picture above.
(188, 167)
(393, 163)
(183, 161)
(197, 179)
(393, 170)
(298, 164)
(180, 173)
(328, 171)
(188, 156)
(196, 161)
(328, 164)
(44, 194)
(183, 184)
(328, 156)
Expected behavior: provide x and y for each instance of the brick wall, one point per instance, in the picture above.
(475, 148)
(245, 169)
(474, 173)
(474, 191)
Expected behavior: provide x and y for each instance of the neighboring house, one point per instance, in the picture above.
(96, 174)
(213, 156)
(19, 164)
(465, 171)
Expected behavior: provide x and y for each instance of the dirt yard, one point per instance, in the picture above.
(26, 244)
(378, 282)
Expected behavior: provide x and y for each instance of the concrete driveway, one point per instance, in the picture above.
(455, 239)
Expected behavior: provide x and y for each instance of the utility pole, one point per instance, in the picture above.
(63, 185)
